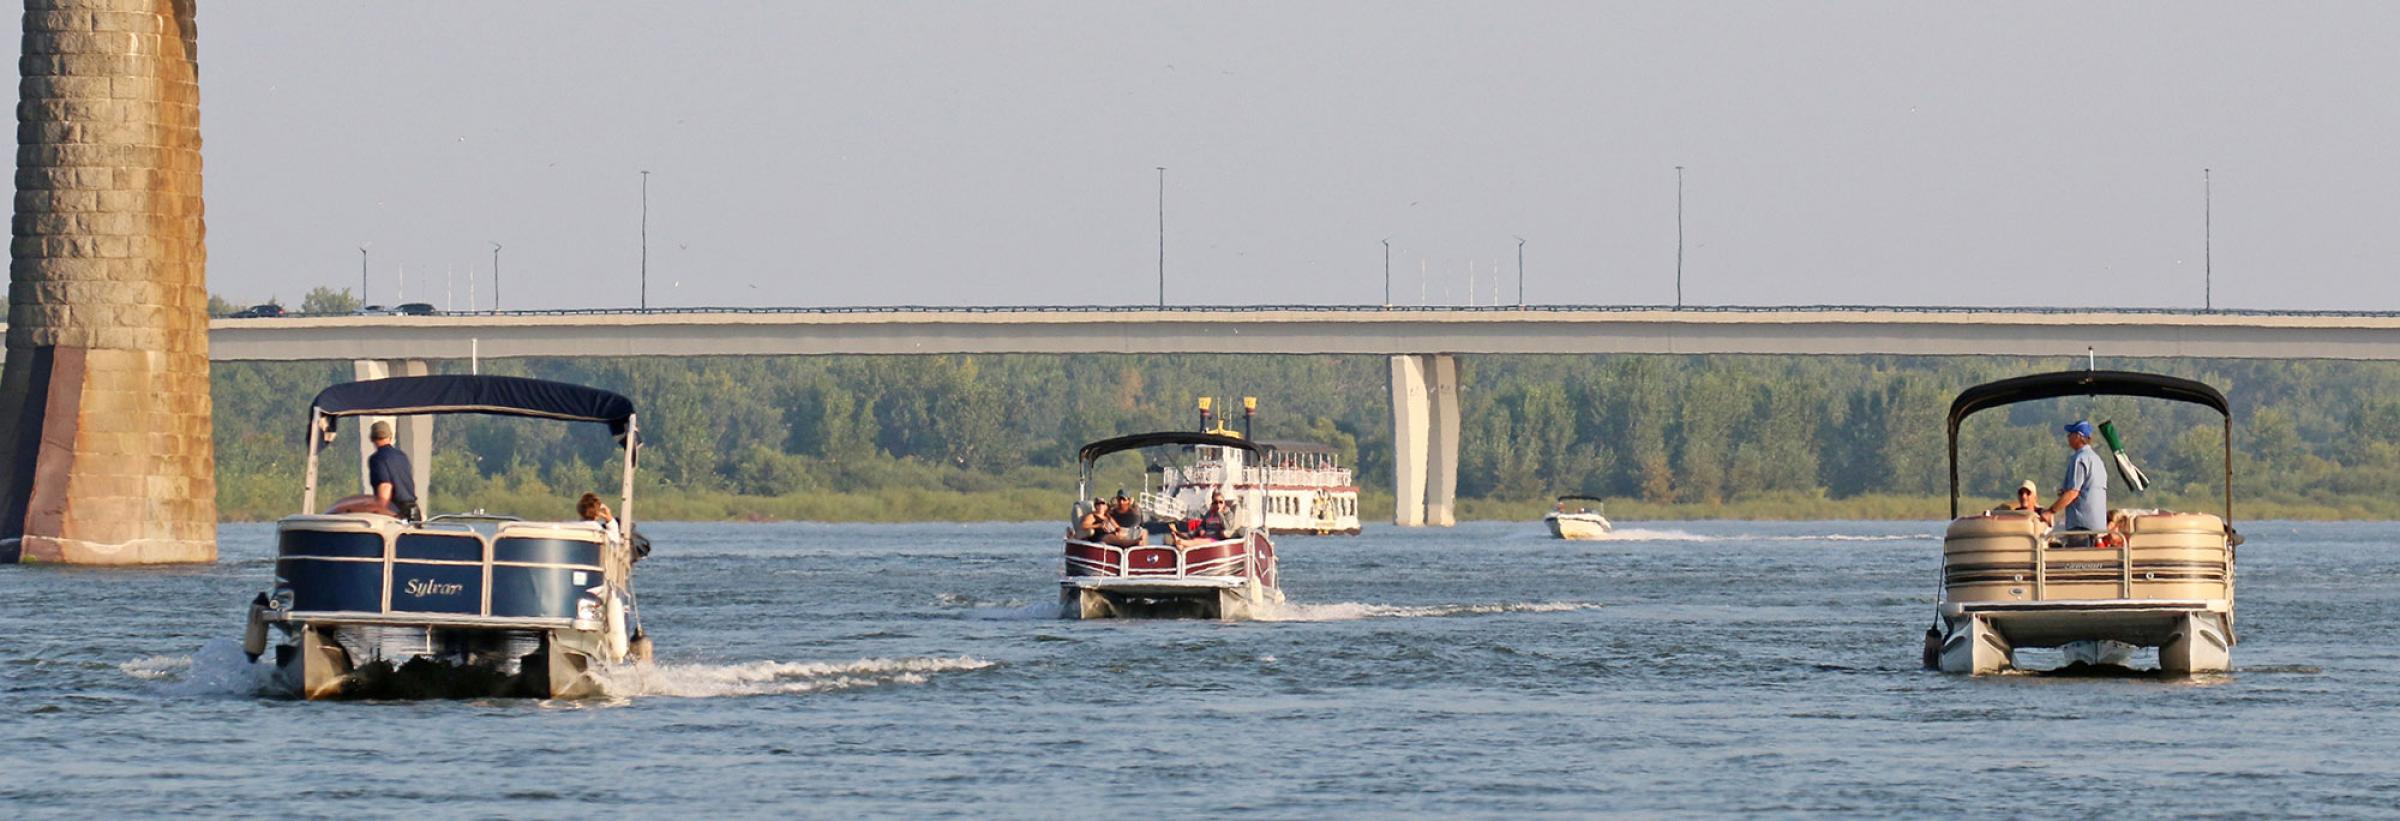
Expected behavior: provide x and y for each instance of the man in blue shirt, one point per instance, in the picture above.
(2083, 494)
(389, 475)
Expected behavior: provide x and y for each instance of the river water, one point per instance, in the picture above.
(915, 670)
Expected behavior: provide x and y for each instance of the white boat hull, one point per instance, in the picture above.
(1577, 525)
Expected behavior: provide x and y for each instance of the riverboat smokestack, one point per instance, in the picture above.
(1249, 409)
(1204, 403)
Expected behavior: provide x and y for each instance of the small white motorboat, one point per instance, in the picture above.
(1588, 518)
(2157, 579)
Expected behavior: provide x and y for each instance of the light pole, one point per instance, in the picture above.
(495, 277)
(645, 240)
(362, 273)
(1387, 272)
(2208, 240)
(1520, 272)
(1162, 236)
(1678, 237)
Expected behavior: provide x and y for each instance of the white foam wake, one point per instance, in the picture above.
(773, 677)
(218, 668)
(1352, 611)
(1637, 534)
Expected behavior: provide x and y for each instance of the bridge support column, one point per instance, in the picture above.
(413, 435)
(1424, 439)
(105, 448)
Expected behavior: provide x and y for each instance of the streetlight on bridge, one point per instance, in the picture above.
(1162, 236)
(1679, 237)
(495, 277)
(362, 273)
(645, 240)
(1520, 272)
(1387, 272)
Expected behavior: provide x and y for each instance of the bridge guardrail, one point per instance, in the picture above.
(1377, 309)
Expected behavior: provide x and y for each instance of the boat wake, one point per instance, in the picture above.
(774, 677)
(1637, 534)
(1353, 611)
(218, 668)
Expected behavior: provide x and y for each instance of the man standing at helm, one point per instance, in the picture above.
(389, 475)
(2083, 494)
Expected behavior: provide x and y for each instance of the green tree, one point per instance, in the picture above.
(322, 300)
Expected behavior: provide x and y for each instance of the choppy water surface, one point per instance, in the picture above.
(1726, 667)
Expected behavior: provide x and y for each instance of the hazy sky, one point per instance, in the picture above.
(1003, 153)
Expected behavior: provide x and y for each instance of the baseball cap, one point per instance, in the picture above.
(2080, 426)
(379, 430)
(2030, 486)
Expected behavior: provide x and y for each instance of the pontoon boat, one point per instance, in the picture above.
(1588, 519)
(1167, 562)
(2158, 579)
(369, 605)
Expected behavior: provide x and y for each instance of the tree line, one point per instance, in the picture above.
(1684, 430)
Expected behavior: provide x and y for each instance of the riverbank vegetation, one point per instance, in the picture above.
(973, 438)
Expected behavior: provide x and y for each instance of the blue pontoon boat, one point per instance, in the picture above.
(366, 604)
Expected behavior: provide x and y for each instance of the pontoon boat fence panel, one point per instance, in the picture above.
(2087, 383)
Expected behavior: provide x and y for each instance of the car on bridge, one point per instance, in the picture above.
(416, 309)
(257, 312)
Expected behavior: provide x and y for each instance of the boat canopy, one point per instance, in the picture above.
(2088, 383)
(1280, 446)
(1581, 499)
(1092, 452)
(494, 395)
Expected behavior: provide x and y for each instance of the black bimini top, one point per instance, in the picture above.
(2082, 383)
(1581, 499)
(1104, 447)
(2087, 383)
(495, 395)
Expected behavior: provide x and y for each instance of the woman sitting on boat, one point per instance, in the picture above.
(1210, 527)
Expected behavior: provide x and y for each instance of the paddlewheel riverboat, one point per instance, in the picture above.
(2155, 578)
(1300, 487)
(1158, 558)
(366, 604)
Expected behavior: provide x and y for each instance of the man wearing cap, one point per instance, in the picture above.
(2029, 501)
(2083, 494)
(389, 474)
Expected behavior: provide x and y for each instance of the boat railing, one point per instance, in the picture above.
(1221, 558)
(1998, 558)
(1161, 506)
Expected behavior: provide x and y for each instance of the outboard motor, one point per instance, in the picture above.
(254, 636)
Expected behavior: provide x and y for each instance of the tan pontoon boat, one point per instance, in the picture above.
(2160, 579)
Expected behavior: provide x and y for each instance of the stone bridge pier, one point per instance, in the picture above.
(1424, 439)
(105, 449)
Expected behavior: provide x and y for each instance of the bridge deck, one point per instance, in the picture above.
(1317, 330)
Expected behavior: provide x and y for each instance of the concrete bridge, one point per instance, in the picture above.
(1422, 343)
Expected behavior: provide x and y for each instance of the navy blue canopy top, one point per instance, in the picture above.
(496, 395)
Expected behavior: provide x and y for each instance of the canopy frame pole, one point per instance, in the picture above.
(633, 443)
(316, 438)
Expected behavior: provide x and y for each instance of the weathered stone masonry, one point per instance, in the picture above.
(105, 455)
